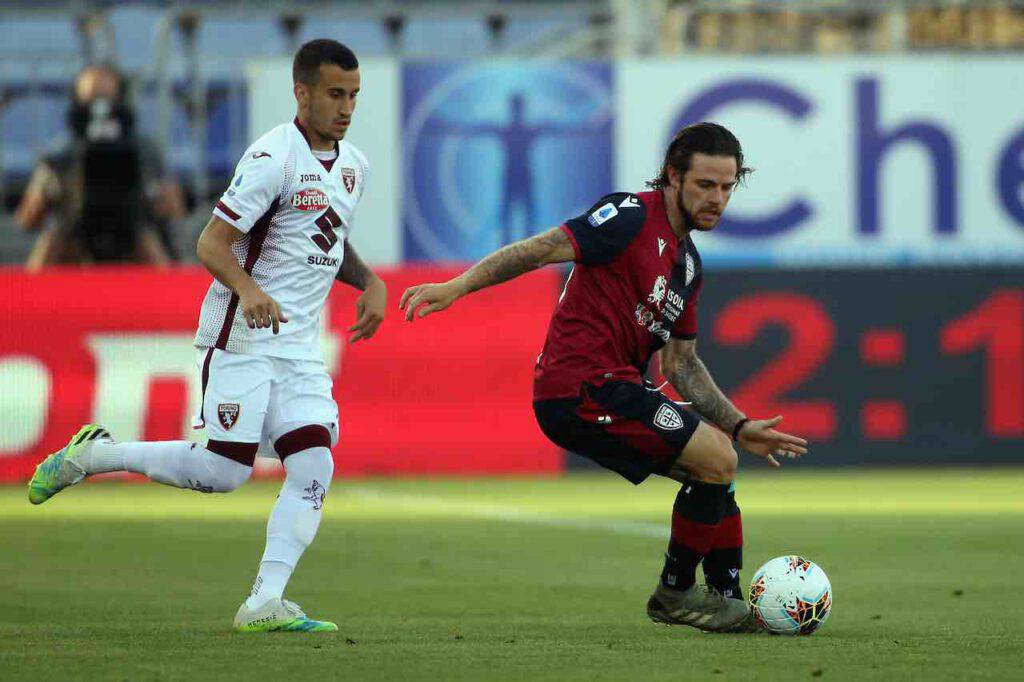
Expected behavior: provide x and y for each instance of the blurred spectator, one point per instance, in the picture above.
(105, 192)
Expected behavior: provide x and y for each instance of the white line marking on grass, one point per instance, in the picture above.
(511, 514)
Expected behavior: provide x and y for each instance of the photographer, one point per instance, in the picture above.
(105, 190)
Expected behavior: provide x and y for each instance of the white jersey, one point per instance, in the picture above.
(296, 215)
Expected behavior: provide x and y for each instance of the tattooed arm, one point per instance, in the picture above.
(354, 271)
(371, 304)
(686, 371)
(504, 264)
(689, 375)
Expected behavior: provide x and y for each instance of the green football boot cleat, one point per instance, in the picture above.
(279, 615)
(60, 470)
(748, 625)
(701, 607)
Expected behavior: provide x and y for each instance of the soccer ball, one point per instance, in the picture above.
(790, 595)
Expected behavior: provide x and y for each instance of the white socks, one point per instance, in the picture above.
(178, 463)
(294, 521)
(270, 583)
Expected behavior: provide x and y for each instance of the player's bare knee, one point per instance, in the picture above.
(719, 465)
(726, 462)
(709, 457)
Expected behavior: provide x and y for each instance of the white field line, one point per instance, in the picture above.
(512, 514)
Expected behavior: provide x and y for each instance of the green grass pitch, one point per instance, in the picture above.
(517, 579)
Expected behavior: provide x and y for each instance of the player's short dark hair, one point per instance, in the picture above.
(700, 138)
(306, 66)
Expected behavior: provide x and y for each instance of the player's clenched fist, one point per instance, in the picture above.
(260, 310)
(433, 297)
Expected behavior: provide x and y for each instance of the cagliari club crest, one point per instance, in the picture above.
(668, 418)
(348, 178)
(227, 413)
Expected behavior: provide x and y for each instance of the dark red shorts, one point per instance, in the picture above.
(632, 429)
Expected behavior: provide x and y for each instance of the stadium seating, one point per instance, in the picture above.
(523, 32)
(135, 28)
(445, 37)
(364, 36)
(33, 36)
(32, 122)
(225, 42)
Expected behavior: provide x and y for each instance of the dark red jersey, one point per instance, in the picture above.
(633, 287)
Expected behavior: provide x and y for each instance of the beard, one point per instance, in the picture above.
(323, 124)
(689, 221)
(330, 134)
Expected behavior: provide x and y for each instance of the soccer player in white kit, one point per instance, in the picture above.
(276, 242)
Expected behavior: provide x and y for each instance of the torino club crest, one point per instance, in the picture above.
(348, 178)
(227, 414)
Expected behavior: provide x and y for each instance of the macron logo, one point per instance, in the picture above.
(661, 245)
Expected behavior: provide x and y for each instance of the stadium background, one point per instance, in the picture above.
(868, 284)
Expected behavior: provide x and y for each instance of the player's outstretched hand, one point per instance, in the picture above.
(260, 310)
(370, 307)
(759, 437)
(433, 298)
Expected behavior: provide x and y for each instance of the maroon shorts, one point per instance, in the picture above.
(632, 429)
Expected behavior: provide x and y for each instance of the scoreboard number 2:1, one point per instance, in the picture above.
(996, 326)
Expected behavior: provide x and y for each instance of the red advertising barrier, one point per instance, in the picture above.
(438, 396)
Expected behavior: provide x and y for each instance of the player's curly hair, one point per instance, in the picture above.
(306, 66)
(700, 138)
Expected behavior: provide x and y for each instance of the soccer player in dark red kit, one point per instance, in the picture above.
(633, 291)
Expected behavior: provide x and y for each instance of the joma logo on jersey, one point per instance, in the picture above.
(310, 177)
(310, 200)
